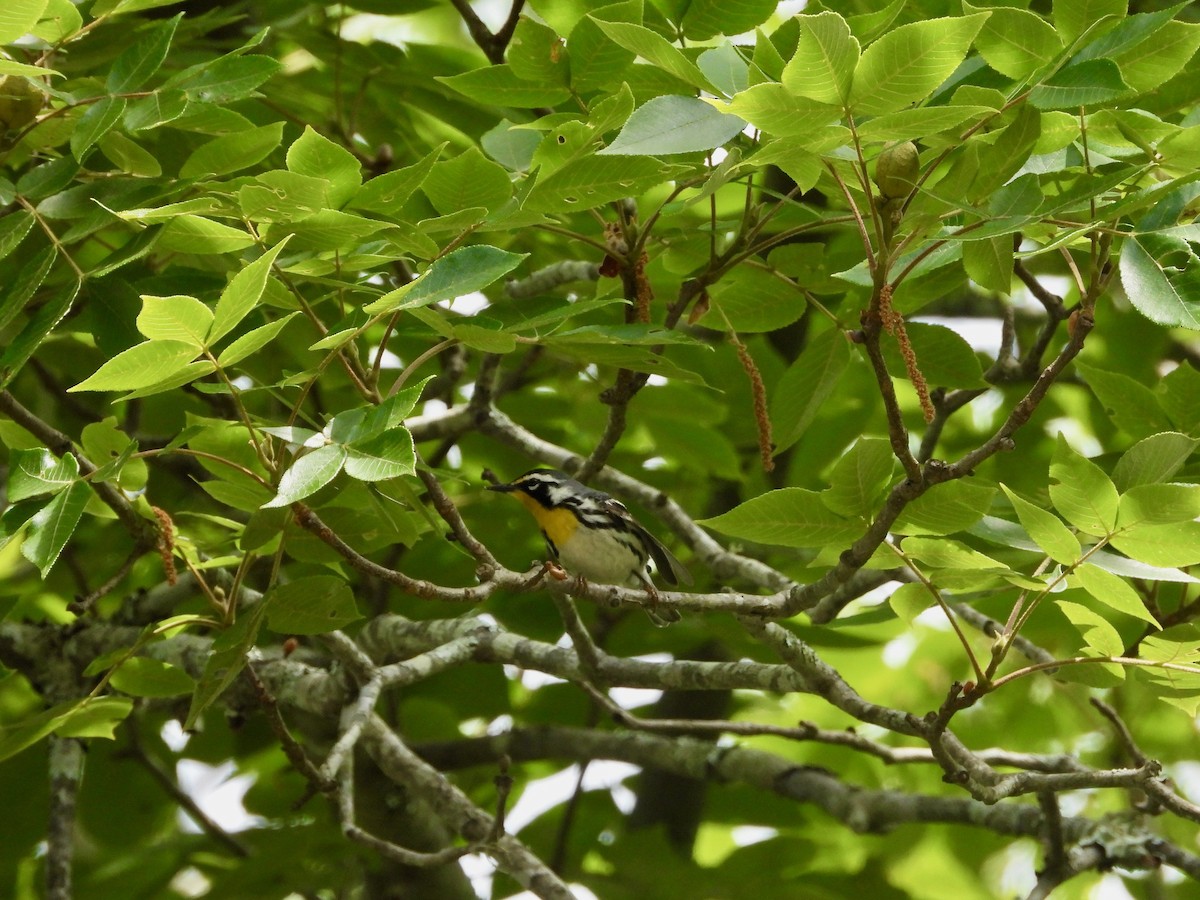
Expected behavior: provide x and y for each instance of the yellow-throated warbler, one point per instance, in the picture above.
(594, 536)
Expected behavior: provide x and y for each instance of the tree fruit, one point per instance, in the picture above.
(896, 169)
(20, 102)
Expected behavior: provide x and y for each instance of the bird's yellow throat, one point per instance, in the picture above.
(558, 524)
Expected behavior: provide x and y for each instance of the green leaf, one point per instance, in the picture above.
(1074, 17)
(232, 152)
(312, 605)
(92, 714)
(946, 508)
(500, 86)
(725, 68)
(60, 20)
(388, 455)
(1098, 634)
(195, 234)
(1179, 393)
(943, 356)
(145, 677)
(387, 193)
(308, 474)
(226, 660)
(860, 477)
(134, 67)
(595, 180)
(1046, 529)
(989, 262)
(95, 122)
(907, 64)
(806, 385)
(1154, 61)
(318, 157)
(1081, 491)
(467, 181)
(1166, 299)
(27, 280)
(922, 122)
(822, 67)
(17, 18)
(1172, 545)
(1154, 459)
(1090, 81)
(33, 473)
(536, 53)
(52, 526)
(790, 517)
(489, 340)
(1129, 403)
(666, 125)
(1016, 42)
(753, 300)
(225, 80)
(460, 272)
(253, 341)
(23, 346)
(775, 110)
(140, 366)
(1159, 504)
(910, 600)
(656, 50)
(13, 228)
(944, 553)
(243, 293)
(706, 18)
(179, 318)
(129, 156)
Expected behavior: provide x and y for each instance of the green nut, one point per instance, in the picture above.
(896, 169)
(20, 102)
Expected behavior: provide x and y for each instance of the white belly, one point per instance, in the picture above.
(599, 558)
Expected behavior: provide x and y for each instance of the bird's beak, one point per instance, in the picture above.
(502, 488)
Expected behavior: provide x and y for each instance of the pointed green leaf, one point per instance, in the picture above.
(179, 318)
(32, 473)
(1159, 504)
(318, 157)
(1154, 459)
(946, 508)
(1016, 42)
(140, 366)
(134, 67)
(671, 124)
(467, 181)
(656, 50)
(807, 385)
(822, 67)
(308, 474)
(53, 525)
(859, 477)
(95, 712)
(226, 660)
(1168, 300)
(944, 553)
(1046, 529)
(23, 346)
(231, 152)
(704, 19)
(141, 676)
(460, 272)
(388, 455)
(1074, 17)
(28, 280)
(196, 234)
(1098, 634)
(500, 86)
(1129, 403)
(1170, 546)
(95, 122)
(387, 193)
(1090, 81)
(253, 341)
(1081, 491)
(243, 293)
(907, 64)
(910, 600)
(773, 109)
(312, 605)
(790, 517)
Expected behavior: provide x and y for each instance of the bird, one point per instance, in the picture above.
(594, 536)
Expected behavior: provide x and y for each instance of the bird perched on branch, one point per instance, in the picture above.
(594, 536)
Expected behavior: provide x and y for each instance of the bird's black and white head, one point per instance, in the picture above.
(550, 488)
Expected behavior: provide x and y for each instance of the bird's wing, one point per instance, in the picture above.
(671, 569)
